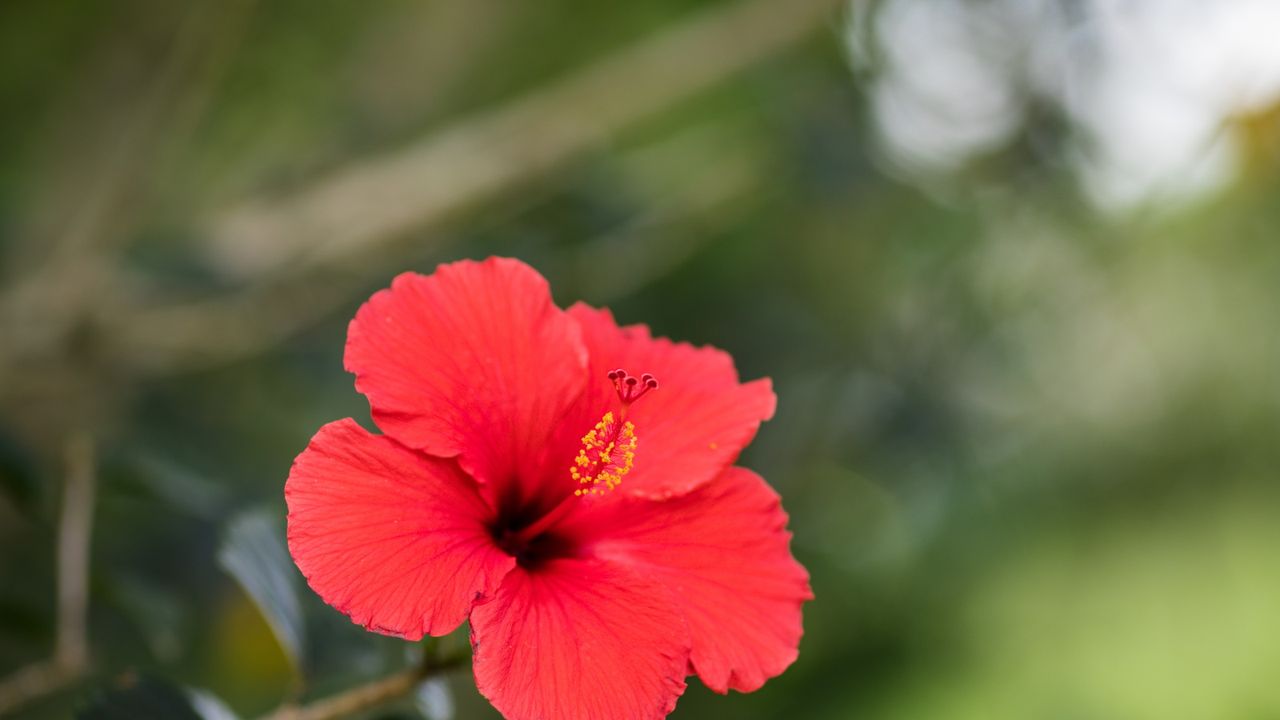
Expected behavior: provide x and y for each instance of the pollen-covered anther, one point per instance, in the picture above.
(609, 449)
(607, 455)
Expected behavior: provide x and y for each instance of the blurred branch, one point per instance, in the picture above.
(283, 246)
(694, 173)
(71, 645)
(75, 529)
(370, 695)
(106, 155)
(376, 202)
(689, 182)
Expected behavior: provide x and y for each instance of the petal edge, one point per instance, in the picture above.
(474, 361)
(534, 659)
(723, 550)
(394, 539)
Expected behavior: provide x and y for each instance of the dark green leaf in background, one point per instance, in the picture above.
(17, 473)
(253, 552)
(181, 486)
(210, 706)
(140, 699)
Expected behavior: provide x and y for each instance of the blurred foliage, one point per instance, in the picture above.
(1028, 447)
(140, 699)
(254, 553)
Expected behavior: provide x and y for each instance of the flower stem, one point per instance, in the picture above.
(369, 695)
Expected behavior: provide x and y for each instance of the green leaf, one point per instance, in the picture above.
(17, 473)
(210, 706)
(140, 699)
(253, 552)
(179, 485)
(157, 613)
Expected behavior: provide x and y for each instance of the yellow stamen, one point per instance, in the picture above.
(607, 454)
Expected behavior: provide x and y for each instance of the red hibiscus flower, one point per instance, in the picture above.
(565, 484)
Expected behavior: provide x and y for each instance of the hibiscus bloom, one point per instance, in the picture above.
(565, 484)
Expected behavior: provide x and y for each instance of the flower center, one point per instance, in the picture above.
(607, 454)
(609, 449)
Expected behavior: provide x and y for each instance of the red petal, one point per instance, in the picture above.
(393, 538)
(474, 360)
(580, 640)
(688, 430)
(723, 552)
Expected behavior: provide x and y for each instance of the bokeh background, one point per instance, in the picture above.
(1012, 265)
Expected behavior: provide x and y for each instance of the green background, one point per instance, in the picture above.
(1028, 446)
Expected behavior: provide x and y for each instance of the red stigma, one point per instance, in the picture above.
(629, 387)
